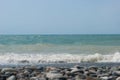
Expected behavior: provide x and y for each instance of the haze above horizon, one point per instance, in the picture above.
(59, 17)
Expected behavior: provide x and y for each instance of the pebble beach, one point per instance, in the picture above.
(73, 71)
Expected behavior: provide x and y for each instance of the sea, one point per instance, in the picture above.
(46, 49)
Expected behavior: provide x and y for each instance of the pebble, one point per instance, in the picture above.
(11, 78)
(54, 75)
(8, 70)
(118, 78)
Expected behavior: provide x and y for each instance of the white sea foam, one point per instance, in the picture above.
(14, 58)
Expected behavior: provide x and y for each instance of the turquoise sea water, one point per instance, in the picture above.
(68, 48)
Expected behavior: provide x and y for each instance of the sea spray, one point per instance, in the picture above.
(37, 58)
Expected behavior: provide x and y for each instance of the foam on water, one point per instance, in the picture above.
(37, 58)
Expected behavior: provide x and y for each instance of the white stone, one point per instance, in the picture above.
(11, 78)
(118, 78)
(54, 75)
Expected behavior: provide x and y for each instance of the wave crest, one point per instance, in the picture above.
(14, 58)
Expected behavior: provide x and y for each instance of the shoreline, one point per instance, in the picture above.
(86, 64)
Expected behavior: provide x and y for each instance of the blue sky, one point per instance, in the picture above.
(60, 17)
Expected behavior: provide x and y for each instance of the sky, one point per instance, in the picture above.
(59, 16)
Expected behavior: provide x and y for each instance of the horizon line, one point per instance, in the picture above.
(62, 34)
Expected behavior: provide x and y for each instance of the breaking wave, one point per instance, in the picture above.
(38, 58)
